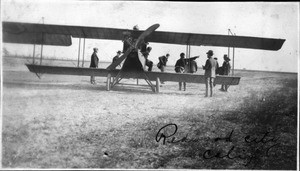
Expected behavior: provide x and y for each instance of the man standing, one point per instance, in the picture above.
(149, 63)
(179, 68)
(130, 38)
(210, 72)
(94, 64)
(226, 70)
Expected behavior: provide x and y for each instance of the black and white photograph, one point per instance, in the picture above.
(88, 84)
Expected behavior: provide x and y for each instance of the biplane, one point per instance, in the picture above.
(134, 62)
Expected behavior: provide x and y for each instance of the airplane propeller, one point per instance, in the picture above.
(137, 44)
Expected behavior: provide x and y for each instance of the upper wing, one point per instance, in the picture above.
(216, 40)
(15, 32)
(37, 38)
(27, 33)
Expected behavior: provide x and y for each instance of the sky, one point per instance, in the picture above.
(258, 19)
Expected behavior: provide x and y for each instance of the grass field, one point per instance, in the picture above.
(64, 122)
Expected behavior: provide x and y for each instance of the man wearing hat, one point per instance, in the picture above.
(179, 68)
(210, 72)
(94, 63)
(130, 37)
(163, 63)
(226, 70)
(117, 56)
(146, 53)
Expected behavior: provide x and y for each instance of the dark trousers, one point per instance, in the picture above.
(149, 64)
(184, 85)
(93, 80)
(162, 68)
(224, 87)
(180, 83)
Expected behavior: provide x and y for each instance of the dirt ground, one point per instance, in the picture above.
(65, 122)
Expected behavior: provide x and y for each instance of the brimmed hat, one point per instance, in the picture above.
(226, 58)
(119, 51)
(210, 52)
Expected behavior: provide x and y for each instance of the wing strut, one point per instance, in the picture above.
(79, 52)
(120, 76)
(33, 54)
(83, 52)
(42, 45)
(231, 34)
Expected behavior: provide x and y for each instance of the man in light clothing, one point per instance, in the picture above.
(210, 72)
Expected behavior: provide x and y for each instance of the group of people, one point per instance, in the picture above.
(161, 64)
(183, 65)
(211, 68)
